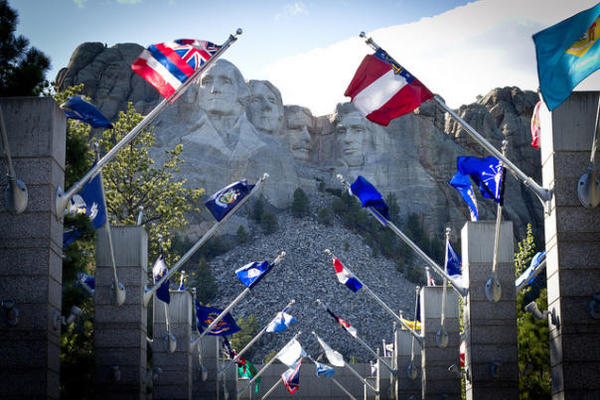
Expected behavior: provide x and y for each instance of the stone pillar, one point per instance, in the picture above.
(120, 332)
(31, 251)
(405, 387)
(175, 380)
(206, 353)
(490, 328)
(437, 381)
(572, 235)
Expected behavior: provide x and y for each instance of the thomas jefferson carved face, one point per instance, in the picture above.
(265, 109)
(298, 122)
(352, 130)
(221, 89)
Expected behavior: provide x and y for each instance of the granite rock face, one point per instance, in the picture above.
(232, 128)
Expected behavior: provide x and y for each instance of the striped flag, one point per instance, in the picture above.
(167, 65)
(346, 277)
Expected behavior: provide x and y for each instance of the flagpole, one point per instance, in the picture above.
(363, 343)
(149, 292)
(272, 389)
(412, 371)
(535, 273)
(63, 197)
(493, 289)
(271, 361)
(335, 381)
(254, 339)
(16, 193)
(459, 289)
(588, 187)
(441, 336)
(544, 195)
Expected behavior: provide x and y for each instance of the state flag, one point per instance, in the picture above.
(370, 197)
(346, 277)
(158, 271)
(223, 201)
(251, 273)
(77, 108)
(291, 377)
(206, 315)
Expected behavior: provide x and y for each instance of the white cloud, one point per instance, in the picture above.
(292, 9)
(79, 3)
(458, 54)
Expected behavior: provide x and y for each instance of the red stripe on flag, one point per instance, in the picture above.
(337, 264)
(369, 70)
(406, 100)
(141, 68)
(175, 59)
(206, 55)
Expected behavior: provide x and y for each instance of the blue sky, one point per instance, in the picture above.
(310, 49)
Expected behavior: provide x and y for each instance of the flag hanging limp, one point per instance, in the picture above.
(291, 377)
(158, 271)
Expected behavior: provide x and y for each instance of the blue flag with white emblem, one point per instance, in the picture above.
(222, 202)
(369, 196)
(464, 187)
(206, 315)
(454, 263)
(77, 108)
(251, 273)
(487, 173)
(324, 370)
(158, 271)
(281, 322)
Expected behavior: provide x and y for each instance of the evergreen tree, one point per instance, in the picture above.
(248, 329)
(269, 223)
(242, 235)
(258, 210)
(22, 68)
(204, 281)
(300, 204)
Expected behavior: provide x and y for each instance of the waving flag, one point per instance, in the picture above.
(464, 187)
(222, 202)
(536, 126)
(333, 356)
(182, 281)
(158, 271)
(206, 315)
(349, 328)
(89, 201)
(247, 370)
(370, 197)
(383, 90)
(487, 173)
(454, 264)
(324, 370)
(462, 351)
(291, 377)
(77, 108)
(85, 281)
(414, 325)
(567, 53)
(166, 66)
(281, 322)
(345, 276)
(251, 273)
(291, 353)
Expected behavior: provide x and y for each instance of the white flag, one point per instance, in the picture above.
(333, 356)
(291, 353)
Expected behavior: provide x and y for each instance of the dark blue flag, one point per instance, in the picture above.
(79, 109)
(88, 201)
(463, 185)
(158, 271)
(251, 273)
(220, 203)
(487, 173)
(369, 196)
(206, 315)
(454, 264)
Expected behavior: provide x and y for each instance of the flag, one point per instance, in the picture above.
(220, 203)
(77, 108)
(281, 322)
(566, 54)
(414, 325)
(536, 127)
(349, 328)
(166, 66)
(373, 368)
(158, 271)
(529, 274)
(388, 350)
(182, 281)
(89, 201)
(291, 377)
(333, 356)
(291, 353)
(462, 351)
(247, 370)
(430, 280)
(370, 197)
(345, 276)
(453, 263)
(324, 370)
(383, 90)
(464, 187)
(252, 272)
(206, 315)
(487, 173)
(87, 282)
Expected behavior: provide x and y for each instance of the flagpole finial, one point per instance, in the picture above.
(328, 252)
(264, 177)
(448, 230)
(504, 146)
(238, 31)
(279, 257)
(362, 34)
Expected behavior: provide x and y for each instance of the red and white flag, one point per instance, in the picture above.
(167, 65)
(383, 90)
(535, 126)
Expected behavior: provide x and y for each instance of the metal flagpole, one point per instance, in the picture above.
(441, 337)
(335, 381)
(195, 341)
(250, 343)
(588, 186)
(385, 222)
(16, 194)
(543, 194)
(493, 289)
(535, 273)
(272, 389)
(363, 343)
(412, 371)
(149, 292)
(263, 369)
(63, 197)
(171, 340)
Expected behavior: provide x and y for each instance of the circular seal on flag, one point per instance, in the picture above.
(226, 199)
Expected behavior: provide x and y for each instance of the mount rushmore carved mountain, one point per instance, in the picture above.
(232, 128)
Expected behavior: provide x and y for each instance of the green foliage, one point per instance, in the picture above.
(325, 216)
(270, 356)
(269, 223)
(248, 329)
(258, 210)
(242, 235)
(204, 281)
(77, 359)
(131, 180)
(300, 204)
(22, 68)
(532, 334)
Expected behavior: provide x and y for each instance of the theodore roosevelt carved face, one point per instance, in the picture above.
(298, 124)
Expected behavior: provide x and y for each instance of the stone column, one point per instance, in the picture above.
(490, 328)
(437, 381)
(572, 235)
(31, 251)
(120, 332)
(405, 387)
(175, 379)
(206, 353)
